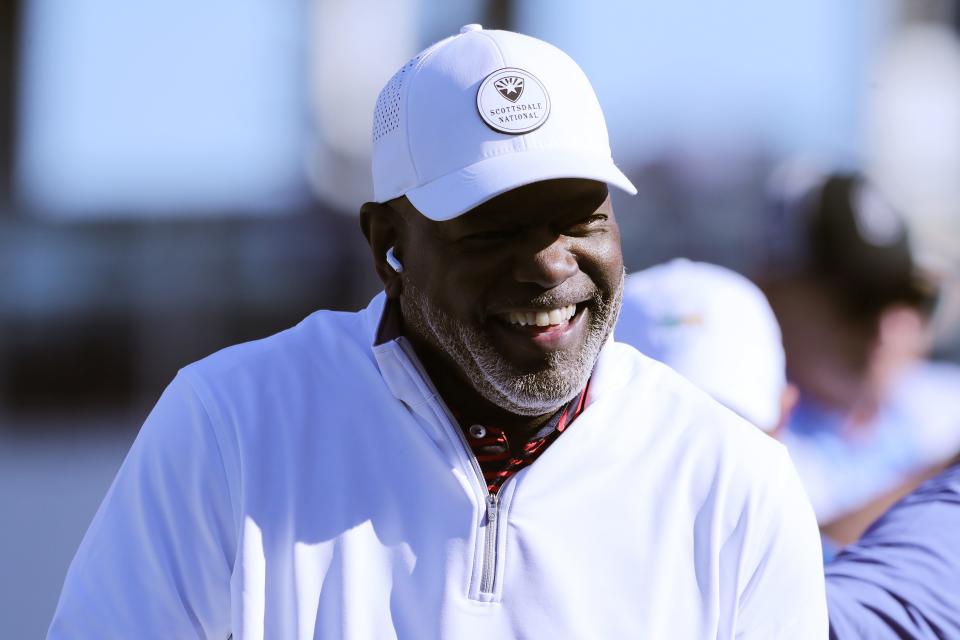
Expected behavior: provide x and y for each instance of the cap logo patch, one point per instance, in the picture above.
(681, 320)
(513, 101)
(876, 220)
(510, 87)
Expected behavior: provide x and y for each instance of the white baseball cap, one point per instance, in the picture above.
(481, 113)
(714, 327)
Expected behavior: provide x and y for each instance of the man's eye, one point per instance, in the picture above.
(586, 224)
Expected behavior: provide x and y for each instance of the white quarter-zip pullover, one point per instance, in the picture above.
(311, 485)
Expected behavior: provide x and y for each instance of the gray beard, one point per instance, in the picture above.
(526, 393)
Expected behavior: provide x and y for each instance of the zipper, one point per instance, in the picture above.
(491, 500)
(490, 541)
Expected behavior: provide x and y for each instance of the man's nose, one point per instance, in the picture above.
(547, 266)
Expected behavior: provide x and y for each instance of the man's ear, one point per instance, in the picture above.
(789, 398)
(381, 227)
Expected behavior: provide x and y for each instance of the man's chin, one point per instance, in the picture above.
(529, 394)
(534, 382)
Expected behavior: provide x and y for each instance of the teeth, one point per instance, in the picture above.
(544, 318)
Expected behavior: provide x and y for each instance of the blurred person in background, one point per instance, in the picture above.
(379, 474)
(874, 417)
(716, 328)
(902, 578)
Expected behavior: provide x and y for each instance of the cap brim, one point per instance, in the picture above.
(456, 193)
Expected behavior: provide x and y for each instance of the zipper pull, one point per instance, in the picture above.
(491, 508)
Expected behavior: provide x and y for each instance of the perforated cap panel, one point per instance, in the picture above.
(386, 115)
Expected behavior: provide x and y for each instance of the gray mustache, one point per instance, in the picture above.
(559, 297)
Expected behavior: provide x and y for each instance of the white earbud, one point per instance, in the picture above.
(392, 260)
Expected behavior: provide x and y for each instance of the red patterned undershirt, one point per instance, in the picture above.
(499, 458)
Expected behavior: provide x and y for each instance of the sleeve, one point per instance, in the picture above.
(902, 578)
(782, 591)
(156, 561)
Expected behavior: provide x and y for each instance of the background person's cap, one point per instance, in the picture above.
(859, 240)
(842, 230)
(481, 113)
(714, 327)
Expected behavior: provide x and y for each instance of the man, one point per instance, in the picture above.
(902, 578)
(716, 328)
(874, 414)
(470, 456)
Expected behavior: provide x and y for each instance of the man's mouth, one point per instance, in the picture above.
(540, 317)
(540, 331)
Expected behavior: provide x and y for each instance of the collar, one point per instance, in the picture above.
(399, 365)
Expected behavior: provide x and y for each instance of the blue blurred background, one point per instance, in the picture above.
(179, 176)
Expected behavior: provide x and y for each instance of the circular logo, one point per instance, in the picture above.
(513, 101)
(876, 220)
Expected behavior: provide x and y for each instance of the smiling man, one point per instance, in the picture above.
(512, 301)
(471, 456)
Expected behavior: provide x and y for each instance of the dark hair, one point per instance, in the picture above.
(845, 235)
